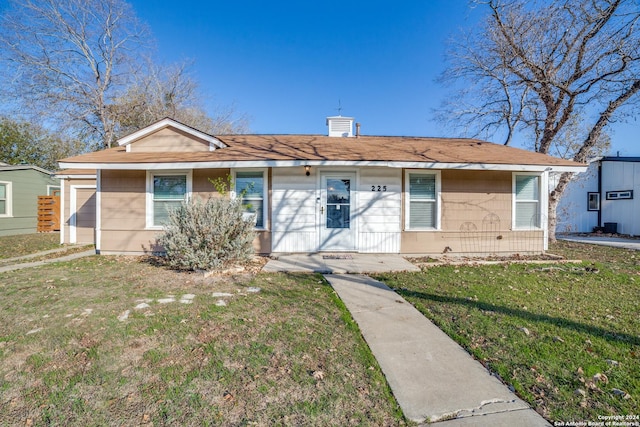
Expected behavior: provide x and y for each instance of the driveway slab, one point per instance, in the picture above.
(616, 242)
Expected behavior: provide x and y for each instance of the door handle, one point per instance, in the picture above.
(321, 210)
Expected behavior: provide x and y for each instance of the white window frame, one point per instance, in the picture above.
(149, 202)
(51, 189)
(514, 204)
(407, 199)
(8, 206)
(265, 194)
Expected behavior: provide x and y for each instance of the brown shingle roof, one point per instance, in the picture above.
(323, 148)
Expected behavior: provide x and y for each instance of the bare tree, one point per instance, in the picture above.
(171, 92)
(68, 59)
(536, 67)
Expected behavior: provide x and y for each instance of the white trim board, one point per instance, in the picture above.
(149, 193)
(323, 163)
(8, 206)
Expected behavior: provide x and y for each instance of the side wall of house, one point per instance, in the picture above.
(123, 210)
(621, 176)
(476, 218)
(572, 212)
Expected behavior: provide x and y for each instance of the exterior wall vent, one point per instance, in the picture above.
(340, 126)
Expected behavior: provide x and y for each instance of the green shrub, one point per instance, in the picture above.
(209, 234)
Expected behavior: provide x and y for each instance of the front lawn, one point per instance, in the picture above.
(25, 244)
(566, 337)
(75, 350)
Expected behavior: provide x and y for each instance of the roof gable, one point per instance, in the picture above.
(168, 135)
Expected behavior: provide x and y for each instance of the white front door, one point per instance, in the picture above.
(337, 224)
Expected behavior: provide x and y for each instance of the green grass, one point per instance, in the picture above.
(581, 319)
(25, 244)
(66, 359)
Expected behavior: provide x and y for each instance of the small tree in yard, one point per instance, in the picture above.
(208, 234)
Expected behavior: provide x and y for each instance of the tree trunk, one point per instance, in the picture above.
(554, 199)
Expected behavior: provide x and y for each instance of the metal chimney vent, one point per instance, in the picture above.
(340, 126)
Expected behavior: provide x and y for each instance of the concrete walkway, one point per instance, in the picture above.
(617, 242)
(70, 257)
(432, 377)
(338, 263)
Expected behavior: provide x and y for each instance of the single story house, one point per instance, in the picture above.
(335, 192)
(20, 186)
(606, 196)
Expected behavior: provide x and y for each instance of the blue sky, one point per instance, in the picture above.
(287, 64)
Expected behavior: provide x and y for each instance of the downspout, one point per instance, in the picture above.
(600, 193)
(98, 234)
(63, 218)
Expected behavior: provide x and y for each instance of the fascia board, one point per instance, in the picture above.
(294, 163)
(71, 176)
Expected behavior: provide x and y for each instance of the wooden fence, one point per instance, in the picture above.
(48, 213)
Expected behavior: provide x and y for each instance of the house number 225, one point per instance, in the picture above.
(378, 188)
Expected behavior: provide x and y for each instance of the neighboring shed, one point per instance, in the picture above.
(20, 186)
(605, 197)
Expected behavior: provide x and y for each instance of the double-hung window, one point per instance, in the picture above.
(165, 192)
(5, 199)
(527, 201)
(251, 186)
(422, 200)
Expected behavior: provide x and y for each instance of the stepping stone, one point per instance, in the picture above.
(221, 294)
(124, 316)
(187, 298)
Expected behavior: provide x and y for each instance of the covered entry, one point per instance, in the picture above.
(337, 225)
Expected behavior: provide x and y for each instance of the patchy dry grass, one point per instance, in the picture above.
(286, 355)
(566, 337)
(25, 244)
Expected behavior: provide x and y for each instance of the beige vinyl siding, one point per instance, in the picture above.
(167, 141)
(124, 216)
(85, 215)
(475, 218)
